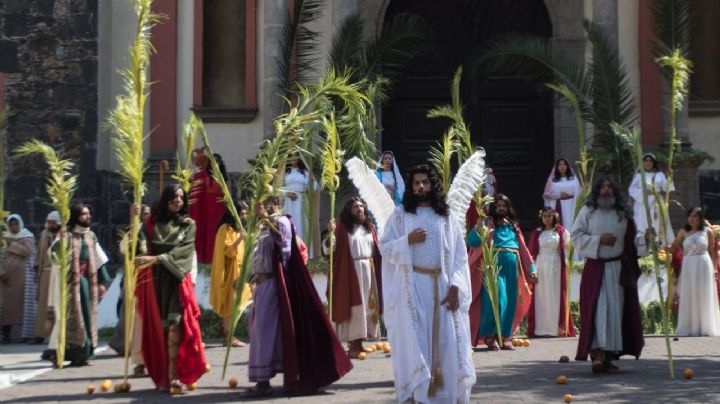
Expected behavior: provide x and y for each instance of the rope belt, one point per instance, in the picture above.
(436, 378)
(262, 277)
(362, 258)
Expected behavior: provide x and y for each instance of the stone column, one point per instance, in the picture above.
(275, 16)
(605, 16)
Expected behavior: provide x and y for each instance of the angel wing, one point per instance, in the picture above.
(468, 180)
(371, 190)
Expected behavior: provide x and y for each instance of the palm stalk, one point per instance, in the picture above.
(127, 122)
(633, 139)
(491, 272)
(60, 186)
(331, 165)
(183, 170)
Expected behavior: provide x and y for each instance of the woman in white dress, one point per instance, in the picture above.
(548, 244)
(389, 175)
(297, 179)
(655, 177)
(561, 192)
(698, 311)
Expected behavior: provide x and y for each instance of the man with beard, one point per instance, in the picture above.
(515, 268)
(43, 267)
(288, 326)
(356, 279)
(86, 285)
(426, 294)
(604, 233)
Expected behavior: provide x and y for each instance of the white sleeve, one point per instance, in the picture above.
(586, 244)
(394, 245)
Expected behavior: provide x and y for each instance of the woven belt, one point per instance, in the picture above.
(262, 277)
(362, 258)
(436, 378)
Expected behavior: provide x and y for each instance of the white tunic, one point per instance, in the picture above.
(547, 288)
(639, 215)
(409, 305)
(590, 224)
(363, 322)
(567, 206)
(297, 182)
(698, 311)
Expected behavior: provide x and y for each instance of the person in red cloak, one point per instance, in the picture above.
(206, 204)
(172, 346)
(290, 331)
(549, 314)
(357, 290)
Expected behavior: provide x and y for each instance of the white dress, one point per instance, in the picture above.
(297, 182)
(698, 312)
(547, 288)
(639, 215)
(567, 206)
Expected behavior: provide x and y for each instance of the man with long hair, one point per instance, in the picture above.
(87, 284)
(604, 233)
(515, 269)
(426, 291)
(356, 302)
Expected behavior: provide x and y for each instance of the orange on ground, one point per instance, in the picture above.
(688, 373)
(567, 398)
(106, 385)
(362, 356)
(191, 387)
(232, 383)
(561, 379)
(90, 388)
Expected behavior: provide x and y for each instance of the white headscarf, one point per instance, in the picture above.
(399, 183)
(23, 233)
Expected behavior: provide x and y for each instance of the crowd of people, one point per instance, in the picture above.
(423, 276)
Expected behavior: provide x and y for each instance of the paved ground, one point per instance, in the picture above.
(526, 376)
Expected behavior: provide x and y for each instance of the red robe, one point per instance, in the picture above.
(206, 209)
(534, 248)
(345, 282)
(312, 354)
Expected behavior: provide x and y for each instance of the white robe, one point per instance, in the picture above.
(569, 186)
(639, 215)
(297, 182)
(547, 288)
(590, 224)
(408, 303)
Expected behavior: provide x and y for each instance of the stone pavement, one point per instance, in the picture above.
(526, 375)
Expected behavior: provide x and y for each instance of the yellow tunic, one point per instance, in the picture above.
(226, 262)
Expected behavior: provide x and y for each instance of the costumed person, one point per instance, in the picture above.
(87, 282)
(43, 268)
(289, 329)
(654, 178)
(17, 277)
(356, 304)
(516, 270)
(562, 190)
(698, 309)
(206, 204)
(227, 259)
(489, 188)
(605, 234)
(549, 314)
(171, 343)
(426, 295)
(389, 175)
(297, 180)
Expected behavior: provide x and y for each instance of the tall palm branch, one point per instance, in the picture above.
(183, 169)
(60, 186)
(299, 45)
(127, 122)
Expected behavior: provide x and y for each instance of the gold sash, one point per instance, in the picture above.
(436, 378)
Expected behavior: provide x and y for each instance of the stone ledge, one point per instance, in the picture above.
(226, 114)
(704, 108)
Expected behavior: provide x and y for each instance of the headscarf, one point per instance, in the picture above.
(23, 233)
(654, 159)
(551, 179)
(54, 216)
(399, 183)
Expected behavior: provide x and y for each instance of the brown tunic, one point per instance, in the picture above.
(14, 266)
(43, 265)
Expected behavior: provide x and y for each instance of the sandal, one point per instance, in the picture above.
(492, 344)
(139, 370)
(259, 390)
(609, 367)
(80, 363)
(506, 346)
(598, 367)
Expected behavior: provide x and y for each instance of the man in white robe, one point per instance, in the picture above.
(605, 235)
(427, 295)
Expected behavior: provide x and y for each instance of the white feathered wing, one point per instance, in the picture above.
(371, 190)
(468, 180)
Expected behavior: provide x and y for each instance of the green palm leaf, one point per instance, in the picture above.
(671, 24)
(299, 44)
(347, 45)
(399, 42)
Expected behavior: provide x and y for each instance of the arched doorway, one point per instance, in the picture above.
(511, 118)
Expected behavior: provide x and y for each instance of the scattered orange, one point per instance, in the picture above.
(106, 385)
(688, 373)
(207, 368)
(562, 379)
(514, 342)
(232, 383)
(90, 388)
(370, 349)
(567, 398)
(379, 346)
(386, 348)
(176, 390)
(526, 343)
(191, 387)
(362, 356)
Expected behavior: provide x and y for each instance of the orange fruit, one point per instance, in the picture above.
(386, 348)
(561, 379)
(370, 349)
(90, 389)
(232, 383)
(688, 373)
(191, 387)
(207, 368)
(362, 356)
(567, 398)
(176, 390)
(514, 342)
(379, 346)
(106, 385)
(526, 343)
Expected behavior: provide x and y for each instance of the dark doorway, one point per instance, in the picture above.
(511, 118)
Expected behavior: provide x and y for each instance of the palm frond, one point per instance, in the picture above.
(459, 130)
(331, 156)
(183, 168)
(3, 212)
(399, 42)
(299, 44)
(347, 44)
(441, 156)
(671, 25)
(680, 69)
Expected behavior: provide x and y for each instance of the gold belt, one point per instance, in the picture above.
(436, 378)
(362, 258)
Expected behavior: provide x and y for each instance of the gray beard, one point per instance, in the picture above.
(606, 202)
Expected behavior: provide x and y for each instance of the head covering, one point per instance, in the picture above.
(399, 183)
(551, 177)
(654, 159)
(490, 182)
(54, 216)
(23, 233)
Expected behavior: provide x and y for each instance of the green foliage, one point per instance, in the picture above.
(671, 24)
(299, 45)
(686, 156)
(211, 326)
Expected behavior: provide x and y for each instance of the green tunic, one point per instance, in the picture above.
(173, 243)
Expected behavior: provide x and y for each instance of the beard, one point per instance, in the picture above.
(360, 219)
(421, 198)
(83, 223)
(606, 202)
